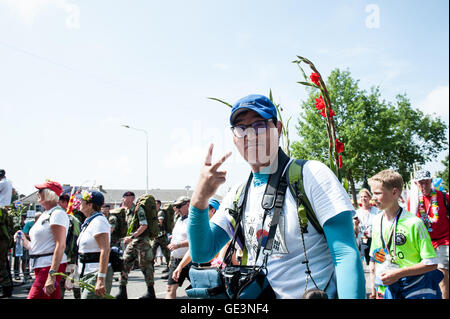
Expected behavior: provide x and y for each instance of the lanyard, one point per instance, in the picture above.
(89, 219)
(392, 232)
(427, 211)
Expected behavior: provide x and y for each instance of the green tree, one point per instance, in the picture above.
(416, 138)
(444, 174)
(377, 134)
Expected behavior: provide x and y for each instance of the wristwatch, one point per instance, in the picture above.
(51, 272)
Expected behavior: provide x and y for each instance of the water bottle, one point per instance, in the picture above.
(19, 245)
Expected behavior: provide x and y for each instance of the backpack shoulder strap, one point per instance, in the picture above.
(305, 211)
(236, 214)
(445, 201)
(238, 203)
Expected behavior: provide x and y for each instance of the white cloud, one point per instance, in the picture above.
(28, 10)
(121, 165)
(392, 68)
(346, 53)
(183, 158)
(221, 66)
(437, 102)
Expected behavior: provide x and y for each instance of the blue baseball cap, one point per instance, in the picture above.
(255, 102)
(94, 197)
(214, 203)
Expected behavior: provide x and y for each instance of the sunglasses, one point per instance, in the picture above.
(258, 127)
(180, 205)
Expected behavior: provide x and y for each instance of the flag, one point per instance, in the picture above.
(70, 205)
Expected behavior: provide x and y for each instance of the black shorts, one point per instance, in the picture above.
(174, 262)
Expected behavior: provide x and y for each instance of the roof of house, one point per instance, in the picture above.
(114, 196)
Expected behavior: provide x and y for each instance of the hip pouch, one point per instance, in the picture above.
(207, 283)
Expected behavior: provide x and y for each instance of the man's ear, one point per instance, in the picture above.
(279, 127)
(396, 192)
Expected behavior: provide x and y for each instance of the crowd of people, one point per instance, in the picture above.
(99, 233)
(291, 218)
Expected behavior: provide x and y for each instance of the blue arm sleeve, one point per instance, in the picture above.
(205, 238)
(346, 258)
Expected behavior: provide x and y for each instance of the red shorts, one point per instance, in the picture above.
(37, 289)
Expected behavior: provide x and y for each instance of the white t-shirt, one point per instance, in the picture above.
(286, 273)
(41, 236)
(88, 244)
(5, 192)
(179, 234)
(365, 220)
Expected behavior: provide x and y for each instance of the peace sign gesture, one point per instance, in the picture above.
(209, 181)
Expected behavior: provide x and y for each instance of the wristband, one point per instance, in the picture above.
(132, 235)
(100, 275)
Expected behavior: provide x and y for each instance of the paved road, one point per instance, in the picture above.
(136, 286)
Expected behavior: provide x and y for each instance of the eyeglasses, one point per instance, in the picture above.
(259, 127)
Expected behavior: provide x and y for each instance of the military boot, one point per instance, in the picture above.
(150, 293)
(122, 293)
(7, 292)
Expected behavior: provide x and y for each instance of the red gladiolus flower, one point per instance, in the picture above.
(339, 146)
(320, 103)
(340, 161)
(325, 115)
(315, 78)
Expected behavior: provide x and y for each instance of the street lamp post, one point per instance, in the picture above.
(187, 188)
(146, 153)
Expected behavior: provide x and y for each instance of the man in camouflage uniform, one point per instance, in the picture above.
(162, 240)
(138, 247)
(6, 226)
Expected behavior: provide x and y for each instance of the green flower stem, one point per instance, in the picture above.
(331, 130)
(82, 284)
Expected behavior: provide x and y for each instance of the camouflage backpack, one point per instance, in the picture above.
(169, 217)
(72, 238)
(121, 229)
(147, 202)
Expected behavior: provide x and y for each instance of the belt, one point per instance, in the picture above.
(88, 258)
(36, 256)
(40, 255)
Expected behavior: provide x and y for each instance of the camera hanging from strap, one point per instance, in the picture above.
(273, 198)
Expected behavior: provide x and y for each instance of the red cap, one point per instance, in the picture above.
(54, 186)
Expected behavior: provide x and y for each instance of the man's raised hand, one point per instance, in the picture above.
(210, 179)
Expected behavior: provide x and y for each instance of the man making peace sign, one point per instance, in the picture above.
(333, 259)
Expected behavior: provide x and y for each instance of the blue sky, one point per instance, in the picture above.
(73, 71)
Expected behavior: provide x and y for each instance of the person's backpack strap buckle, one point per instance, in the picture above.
(304, 208)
